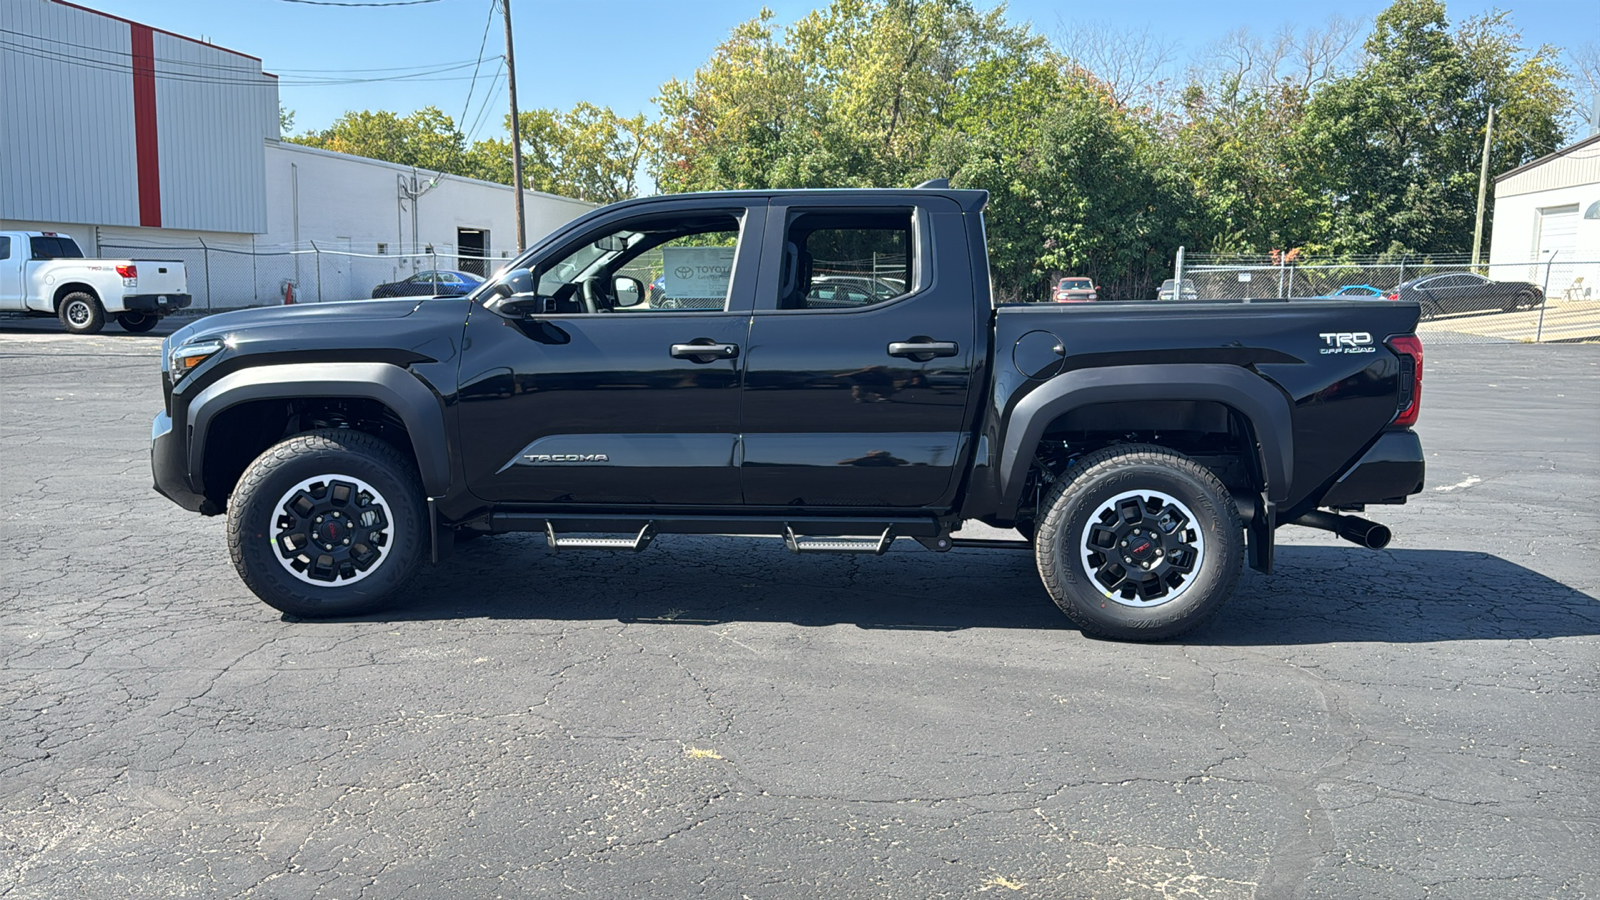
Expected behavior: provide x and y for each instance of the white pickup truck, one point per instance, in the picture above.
(43, 273)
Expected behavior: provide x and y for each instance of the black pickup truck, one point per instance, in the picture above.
(710, 364)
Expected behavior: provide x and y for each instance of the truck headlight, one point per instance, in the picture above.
(192, 354)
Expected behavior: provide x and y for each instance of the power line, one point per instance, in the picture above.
(467, 107)
(247, 69)
(487, 99)
(121, 67)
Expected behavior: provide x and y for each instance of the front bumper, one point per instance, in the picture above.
(169, 465)
(160, 304)
(1389, 472)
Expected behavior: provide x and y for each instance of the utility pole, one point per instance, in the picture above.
(1483, 188)
(516, 132)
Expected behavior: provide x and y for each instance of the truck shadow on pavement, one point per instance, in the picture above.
(1317, 595)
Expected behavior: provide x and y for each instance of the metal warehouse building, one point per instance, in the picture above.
(133, 139)
(1547, 221)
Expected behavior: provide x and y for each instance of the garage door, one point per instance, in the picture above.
(1558, 231)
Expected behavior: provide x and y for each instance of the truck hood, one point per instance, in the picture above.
(302, 316)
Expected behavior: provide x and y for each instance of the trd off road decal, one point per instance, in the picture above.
(1346, 342)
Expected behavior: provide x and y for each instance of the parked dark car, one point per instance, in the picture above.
(1460, 292)
(438, 283)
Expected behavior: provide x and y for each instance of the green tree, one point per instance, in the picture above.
(1394, 147)
(849, 96)
(427, 139)
(588, 152)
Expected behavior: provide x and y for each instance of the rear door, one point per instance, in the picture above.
(850, 399)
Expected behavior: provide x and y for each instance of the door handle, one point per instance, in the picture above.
(923, 350)
(706, 352)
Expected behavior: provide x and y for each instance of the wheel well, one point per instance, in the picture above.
(241, 433)
(1213, 434)
(72, 288)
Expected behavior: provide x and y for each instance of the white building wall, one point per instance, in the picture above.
(213, 108)
(1514, 247)
(66, 107)
(350, 204)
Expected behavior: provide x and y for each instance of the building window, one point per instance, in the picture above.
(1593, 212)
(382, 248)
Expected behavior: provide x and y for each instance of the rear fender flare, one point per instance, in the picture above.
(414, 402)
(1263, 406)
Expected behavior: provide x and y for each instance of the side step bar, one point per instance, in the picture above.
(876, 548)
(635, 543)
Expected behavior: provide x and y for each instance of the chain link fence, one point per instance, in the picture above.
(224, 277)
(1537, 301)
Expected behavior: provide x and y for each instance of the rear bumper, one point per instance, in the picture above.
(1388, 473)
(169, 465)
(160, 304)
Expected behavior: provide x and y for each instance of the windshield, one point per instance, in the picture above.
(1076, 284)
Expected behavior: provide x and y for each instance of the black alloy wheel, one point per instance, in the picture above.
(327, 523)
(1139, 542)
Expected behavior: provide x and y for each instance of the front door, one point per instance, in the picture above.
(620, 384)
(862, 356)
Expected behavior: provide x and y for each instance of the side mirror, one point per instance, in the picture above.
(515, 283)
(628, 291)
(514, 294)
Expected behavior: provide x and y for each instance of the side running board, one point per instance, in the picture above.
(635, 544)
(875, 547)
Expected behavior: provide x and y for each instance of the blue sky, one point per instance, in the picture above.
(618, 53)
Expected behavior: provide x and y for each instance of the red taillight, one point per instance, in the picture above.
(1395, 295)
(1409, 349)
(129, 271)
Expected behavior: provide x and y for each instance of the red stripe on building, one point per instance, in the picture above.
(146, 146)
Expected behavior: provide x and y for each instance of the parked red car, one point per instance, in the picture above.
(1076, 290)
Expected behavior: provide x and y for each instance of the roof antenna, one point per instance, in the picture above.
(937, 184)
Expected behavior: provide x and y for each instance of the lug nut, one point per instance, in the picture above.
(347, 540)
(1124, 543)
(1158, 552)
(336, 515)
(1128, 560)
(318, 520)
(1145, 565)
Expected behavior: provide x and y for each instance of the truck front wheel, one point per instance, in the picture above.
(327, 523)
(81, 313)
(1140, 543)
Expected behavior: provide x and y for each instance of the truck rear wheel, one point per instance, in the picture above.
(327, 523)
(81, 313)
(1139, 543)
(137, 322)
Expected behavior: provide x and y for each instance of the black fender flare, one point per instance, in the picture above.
(1262, 404)
(413, 401)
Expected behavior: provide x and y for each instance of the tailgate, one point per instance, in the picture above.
(162, 276)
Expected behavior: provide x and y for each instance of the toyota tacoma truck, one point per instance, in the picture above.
(43, 273)
(1145, 452)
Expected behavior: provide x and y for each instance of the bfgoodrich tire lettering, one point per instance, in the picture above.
(369, 539)
(1177, 581)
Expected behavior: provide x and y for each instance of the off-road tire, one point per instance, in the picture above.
(81, 313)
(1116, 473)
(254, 519)
(137, 322)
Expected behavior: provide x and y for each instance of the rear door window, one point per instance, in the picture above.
(49, 247)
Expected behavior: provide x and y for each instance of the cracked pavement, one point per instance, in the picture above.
(719, 718)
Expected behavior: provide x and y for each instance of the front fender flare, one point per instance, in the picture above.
(1265, 407)
(413, 401)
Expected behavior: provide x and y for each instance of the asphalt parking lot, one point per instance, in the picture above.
(719, 718)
